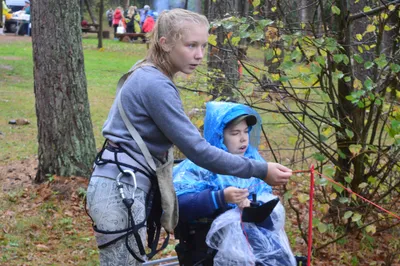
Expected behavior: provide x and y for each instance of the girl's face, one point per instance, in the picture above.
(236, 138)
(188, 52)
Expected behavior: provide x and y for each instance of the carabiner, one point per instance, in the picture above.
(120, 186)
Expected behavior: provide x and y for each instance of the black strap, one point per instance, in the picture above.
(154, 234)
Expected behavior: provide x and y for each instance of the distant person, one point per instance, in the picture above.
(143, 14)
(24, 27)
(132, 20)
(118, 16)
(3, 17)
(110, 14)
(148, 23)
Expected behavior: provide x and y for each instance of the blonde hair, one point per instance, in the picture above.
(131, 11)
(170, 24)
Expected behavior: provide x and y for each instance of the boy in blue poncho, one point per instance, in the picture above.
(204, 195)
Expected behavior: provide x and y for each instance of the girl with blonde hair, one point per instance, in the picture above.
(146, 119)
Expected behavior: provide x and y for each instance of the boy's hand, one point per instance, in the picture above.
(244, 203)
(277, 174)
(235, 195)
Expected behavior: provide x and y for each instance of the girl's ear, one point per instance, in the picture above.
(163, 43)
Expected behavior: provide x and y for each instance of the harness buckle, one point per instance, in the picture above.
(120, 186)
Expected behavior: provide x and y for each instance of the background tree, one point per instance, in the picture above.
(65, 135)
(332, 80)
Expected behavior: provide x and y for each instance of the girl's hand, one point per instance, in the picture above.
(235, 195)
(277, 174)
(244, 203)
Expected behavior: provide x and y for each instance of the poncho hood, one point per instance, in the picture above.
(190, 178)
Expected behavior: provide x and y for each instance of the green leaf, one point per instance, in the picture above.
(235, 41)
(335, 10)
(356, 217)
(329, 171)
(343, 199)
(256, 3)
(321, 60)
(319, 157)
(367, 8)
(358, 58)
(368, 84)
(341, 154)
(322, 227)
(363, 185)
(315, 68)
(269, 54)
(368, 64)
(347, 214)
(348, 179)
(288, 195)
(338, 58)
(338, 188)
(349, 133)
(295, 54)
(381, 61)
(243, 27)
(395, 68)
(265, 22)
(347, 79)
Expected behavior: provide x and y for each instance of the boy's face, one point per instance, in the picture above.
(188, 52)
(236, 138)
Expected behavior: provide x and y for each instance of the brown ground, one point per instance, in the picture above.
(10, 37)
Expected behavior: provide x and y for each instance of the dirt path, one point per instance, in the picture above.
(11, 37)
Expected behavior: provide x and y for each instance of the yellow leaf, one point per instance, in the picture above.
(273, 9)
(264, 95)
(370, 229)
(391, 7)
(324, 208)
(275, 77)
(212, 39)
(261, 147)
(199, 123)
(387, 28)
(371, 28)
(278, 51)
(384, 16)
(360, 49)
(359, 37)
(333, 196)
(357, 84)
(275, 60)
(303, 197)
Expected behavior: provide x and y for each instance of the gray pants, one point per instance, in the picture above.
(109, 213)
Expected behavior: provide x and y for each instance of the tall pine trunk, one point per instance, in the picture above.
(65, 134)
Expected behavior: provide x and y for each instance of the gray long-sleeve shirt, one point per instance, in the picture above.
(153, 105)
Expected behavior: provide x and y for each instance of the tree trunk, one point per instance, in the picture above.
(222, 60)
(94, 21)
(65, 134)
(100, 34)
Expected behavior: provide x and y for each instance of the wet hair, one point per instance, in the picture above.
(170, 24)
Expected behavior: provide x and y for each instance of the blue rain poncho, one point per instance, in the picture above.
(268, 246)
